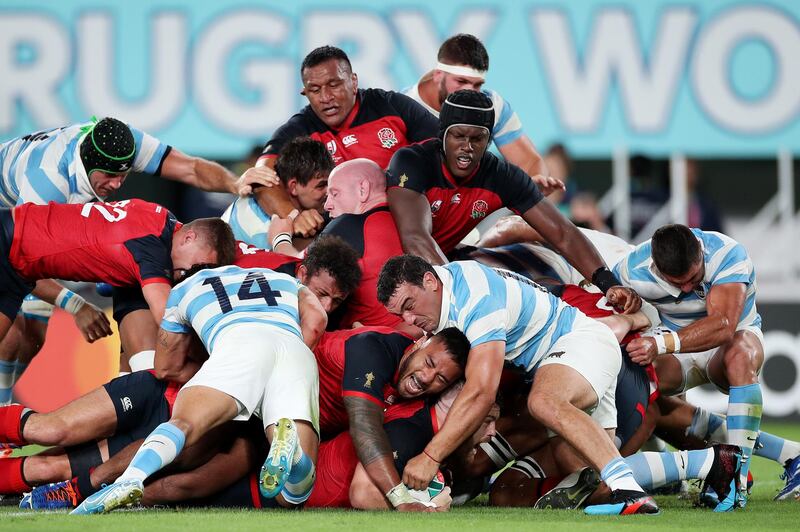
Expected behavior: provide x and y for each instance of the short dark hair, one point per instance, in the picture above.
(398, 270)
(219, 237)
(464, 49)
(324, 53)
(456, 343)
(335, 256)
(304, 159)
(674, 249)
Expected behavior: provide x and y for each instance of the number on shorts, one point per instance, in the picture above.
(245, 291)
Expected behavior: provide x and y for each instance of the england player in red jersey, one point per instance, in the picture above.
(125, 243)
(440, 189)
(360, 216)
(351, 122)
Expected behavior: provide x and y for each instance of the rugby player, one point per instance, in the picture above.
(257, 326)
(351, 122)
(462, 64)
(703, 285)
(440, 189)
(507, 318)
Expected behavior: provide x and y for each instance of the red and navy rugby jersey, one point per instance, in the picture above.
(380, 123)
(458, 206)
(359, 362)
(248, 256)
(373, 234)
(123, 243)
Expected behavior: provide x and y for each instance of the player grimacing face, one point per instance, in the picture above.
(420, 306)
(464, 147)
(105, 184)
(331, 91)
(312, 194)
(324, 286)
(427, 370)
(689, 281)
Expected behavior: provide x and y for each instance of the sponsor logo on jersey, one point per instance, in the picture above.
(556, 354)
(456, 199)
(127, 404)
(387, 138)
(349, 140)
(403, 179)
(479, 209)
(700, 291)
(435, 206)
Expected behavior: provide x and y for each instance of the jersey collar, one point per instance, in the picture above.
(452, 179)
(447, 297)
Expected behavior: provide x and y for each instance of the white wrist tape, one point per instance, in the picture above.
(668, 342)
(280, 238)
(70, 301)
(399, 495)
(460, 70)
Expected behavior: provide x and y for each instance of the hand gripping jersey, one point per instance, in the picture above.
(46, 166)
(507, 125)
(214, 299)
(725, 260)
(489, 304)
(458, 206)
(380, 123)
(122, 243)
(374, 236)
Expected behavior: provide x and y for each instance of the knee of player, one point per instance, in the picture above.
(741, 361)
(542, 405)
(45, 429)
(364, 495)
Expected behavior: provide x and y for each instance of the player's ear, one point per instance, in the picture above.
(301, 273)
(429, 282)
(291, 186)
(355, 81)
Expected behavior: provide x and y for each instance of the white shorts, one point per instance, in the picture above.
(270, 372)
(592, 350)
(694, 366)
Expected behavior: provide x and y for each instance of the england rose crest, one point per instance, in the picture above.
(479, 209)
(387, 137)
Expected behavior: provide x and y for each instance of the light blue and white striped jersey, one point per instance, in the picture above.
(46, 166)
(250, 224)
(214, 299)
(490, 304)
(726, 261)
(507, 125)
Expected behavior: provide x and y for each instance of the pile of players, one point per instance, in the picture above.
(332, 341)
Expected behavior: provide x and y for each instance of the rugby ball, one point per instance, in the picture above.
(434, 488)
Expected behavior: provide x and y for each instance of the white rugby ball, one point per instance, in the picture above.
(433, 489)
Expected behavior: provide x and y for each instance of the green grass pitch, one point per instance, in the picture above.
(762, 513)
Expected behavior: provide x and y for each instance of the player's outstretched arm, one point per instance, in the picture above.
(412, 214)
(90, 320)
(313, 318)
(573, 245)
(482, 374)
(198, 172)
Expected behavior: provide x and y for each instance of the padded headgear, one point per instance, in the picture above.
(466, 108)
(108, 146)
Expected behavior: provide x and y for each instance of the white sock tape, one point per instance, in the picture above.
(142, 360)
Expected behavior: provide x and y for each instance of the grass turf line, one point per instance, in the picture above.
(761, 513)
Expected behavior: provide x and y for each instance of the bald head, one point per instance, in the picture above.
(355, 187)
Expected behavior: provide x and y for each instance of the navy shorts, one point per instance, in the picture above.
(127, 299)
(140, 405)
(14, 288)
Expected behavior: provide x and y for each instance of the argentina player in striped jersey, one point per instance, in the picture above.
(258, 327)
(573, 360)
(704, 287)
(81, 163)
